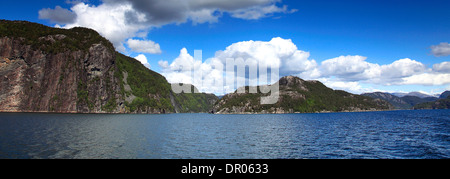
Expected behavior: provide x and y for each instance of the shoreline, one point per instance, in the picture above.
(322, 112)
(245, 113)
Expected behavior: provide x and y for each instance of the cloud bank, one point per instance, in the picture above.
(144, 46)
(120, 20)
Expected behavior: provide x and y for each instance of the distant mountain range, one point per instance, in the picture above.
(417, 94)
(407, 100)
(396, 101)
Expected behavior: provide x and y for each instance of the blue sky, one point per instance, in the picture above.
(364, 33)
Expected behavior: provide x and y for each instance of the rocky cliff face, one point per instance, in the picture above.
(65, 81)
(44, 69)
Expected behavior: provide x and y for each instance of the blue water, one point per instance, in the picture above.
(391, 134)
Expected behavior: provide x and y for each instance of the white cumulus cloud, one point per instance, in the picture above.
(143, 59)
(353, 87)
(188, 70)
(356, 68)
(427, 79)
(350, 68)
(163, 64)
(402, 68)
(277, 53)
(144, 46)
(443, 49)
(109, 20)
(443, 67)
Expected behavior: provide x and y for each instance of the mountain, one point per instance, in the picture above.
(145, 89)
(413, 100)
(442, 103)
(444, 95)
(195, 102)
(76, 70)
(438, 104)
(404, 102)
(399, 94)
(417, 94)
(397, 102)
(298, 95)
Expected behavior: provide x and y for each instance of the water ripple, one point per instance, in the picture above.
(394, 134)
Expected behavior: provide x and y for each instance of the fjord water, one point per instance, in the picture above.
(390, 134)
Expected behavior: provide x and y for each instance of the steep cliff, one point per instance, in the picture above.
(298, 95)
(55, 70)
(44, 69)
